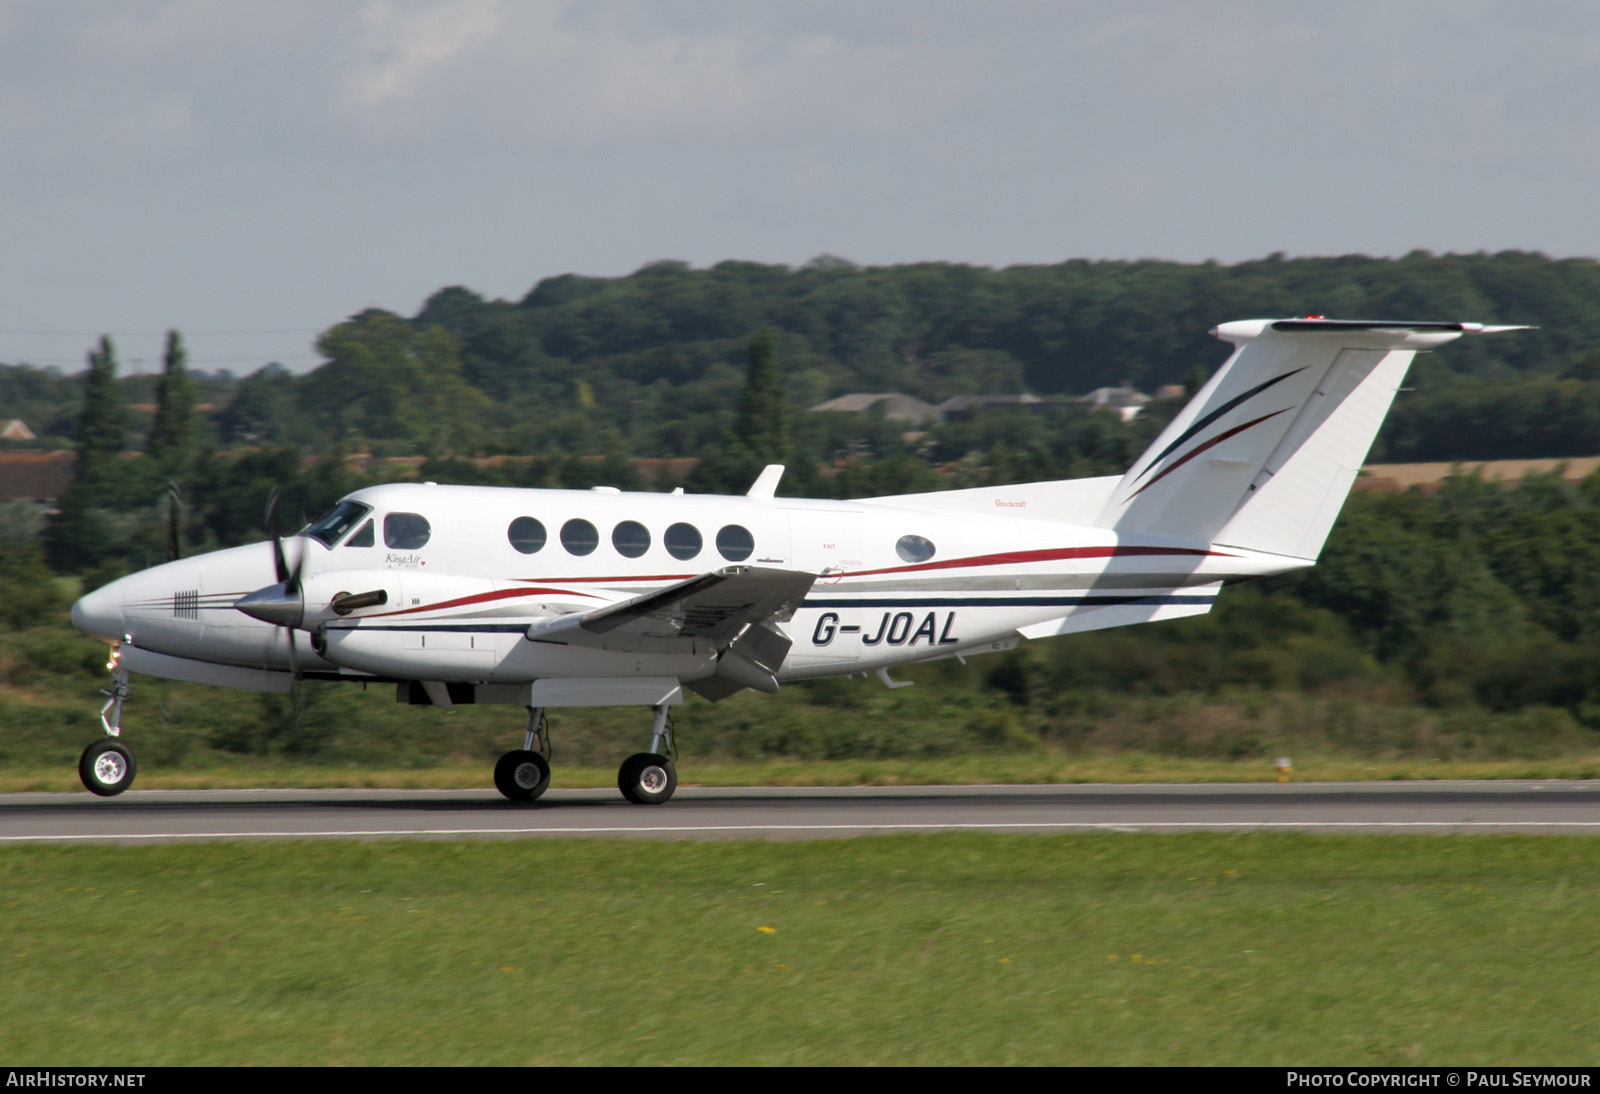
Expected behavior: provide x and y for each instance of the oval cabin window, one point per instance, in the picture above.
(683, 541)
(579, 537)
(526, 535)
(914, 548)
(630, 538)
(735, 543)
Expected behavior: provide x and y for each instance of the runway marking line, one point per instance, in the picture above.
(1109, 826)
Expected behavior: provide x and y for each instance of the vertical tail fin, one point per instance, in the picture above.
(1264, 455)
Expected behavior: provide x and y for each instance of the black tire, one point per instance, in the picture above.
(521, 775)
(647, 779)
(107, 768)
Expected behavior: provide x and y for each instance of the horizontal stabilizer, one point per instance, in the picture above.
(1176, 604)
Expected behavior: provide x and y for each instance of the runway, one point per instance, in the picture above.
(1545, 807)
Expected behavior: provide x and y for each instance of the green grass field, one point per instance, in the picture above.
(956, 949)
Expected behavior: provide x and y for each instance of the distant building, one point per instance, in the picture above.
(1124, 401)
(896, 407)
(962, 407)
(36, 476)
(16, 430)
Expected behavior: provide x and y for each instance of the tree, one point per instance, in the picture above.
(100, 427)
(385, 380)
(763, 419)
(760, 431)
(171, 442)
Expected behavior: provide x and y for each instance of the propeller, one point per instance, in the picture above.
(174, 501)
(283, 604)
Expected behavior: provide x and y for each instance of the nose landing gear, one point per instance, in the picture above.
(107, 766)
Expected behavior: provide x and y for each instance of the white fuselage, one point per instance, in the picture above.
(898, 584)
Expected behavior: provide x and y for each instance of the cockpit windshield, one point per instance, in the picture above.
(333, 524)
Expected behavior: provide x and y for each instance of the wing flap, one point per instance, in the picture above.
(712, 609)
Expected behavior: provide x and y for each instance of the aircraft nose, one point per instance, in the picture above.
(100, 613)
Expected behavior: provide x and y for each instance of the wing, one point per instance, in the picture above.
(731, 612)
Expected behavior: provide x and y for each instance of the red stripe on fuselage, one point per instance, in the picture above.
(480, 598)
(1053, 554)
(614, 577)
(1004, 558)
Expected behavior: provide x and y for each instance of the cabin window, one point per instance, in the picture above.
(526, 535)
(683, 541)
(735, 543)
(336, 522)
(406, 531)
(630, 538)
(367, 537)
(914, 548)
(579, 537)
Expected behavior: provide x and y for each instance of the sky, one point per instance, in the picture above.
(252, 172)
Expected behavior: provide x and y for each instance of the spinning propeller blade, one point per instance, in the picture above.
(174, 500)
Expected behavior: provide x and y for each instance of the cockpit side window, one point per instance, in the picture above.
(406, 531)
(363, 538)
(327, 528)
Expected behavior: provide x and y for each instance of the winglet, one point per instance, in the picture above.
(766, 484)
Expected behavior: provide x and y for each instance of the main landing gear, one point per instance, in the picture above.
(107, 767)
(645, 778)
(523, 774)
(649, 778)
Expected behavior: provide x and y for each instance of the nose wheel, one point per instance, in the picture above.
(107, 768)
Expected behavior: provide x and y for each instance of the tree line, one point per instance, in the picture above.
(582, 375)
(1474, 598)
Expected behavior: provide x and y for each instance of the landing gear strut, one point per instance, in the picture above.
(649, 778)
(523, 774)
(107, 767)
(645, 778)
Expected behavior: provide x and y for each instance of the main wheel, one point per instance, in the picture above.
(647, 779)
(521, 775)
(106, 767)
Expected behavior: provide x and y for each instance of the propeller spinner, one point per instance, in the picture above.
(283, 604)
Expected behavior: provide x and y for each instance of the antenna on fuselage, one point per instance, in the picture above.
(766, 484)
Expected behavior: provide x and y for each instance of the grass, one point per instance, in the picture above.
(984, 768)
(968, 949)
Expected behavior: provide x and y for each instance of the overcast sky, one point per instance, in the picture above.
(253, 172)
